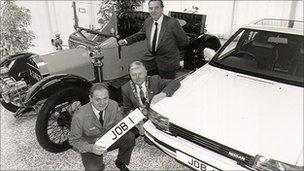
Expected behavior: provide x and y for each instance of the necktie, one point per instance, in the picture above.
(142, 95)
(154, 39)
(100, 117)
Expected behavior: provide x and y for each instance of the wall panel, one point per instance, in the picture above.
(223, 17)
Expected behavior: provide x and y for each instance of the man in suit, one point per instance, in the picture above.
(91, 122)
(142, 90)
(164, 37)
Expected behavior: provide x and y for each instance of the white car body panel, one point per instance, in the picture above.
(246, 113)
(240, 118)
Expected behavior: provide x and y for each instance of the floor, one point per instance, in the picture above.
(21, 151)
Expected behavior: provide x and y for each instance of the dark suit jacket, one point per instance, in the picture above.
(171, 37)
(155, 86)
(86, 128)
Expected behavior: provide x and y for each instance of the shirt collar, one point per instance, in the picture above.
(160, 20)
(142, 85)
(96, 112)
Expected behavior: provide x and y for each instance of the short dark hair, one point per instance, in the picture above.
(160, 1)
(98, 86)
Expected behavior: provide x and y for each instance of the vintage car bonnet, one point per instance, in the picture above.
(76, 62)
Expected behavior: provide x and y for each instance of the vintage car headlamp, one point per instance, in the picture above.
(267, 164)
(158, 120)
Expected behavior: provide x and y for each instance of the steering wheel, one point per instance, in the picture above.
(246, 55)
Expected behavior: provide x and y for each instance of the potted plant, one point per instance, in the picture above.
(14, 36)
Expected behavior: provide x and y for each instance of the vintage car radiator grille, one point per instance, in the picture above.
(242, 158)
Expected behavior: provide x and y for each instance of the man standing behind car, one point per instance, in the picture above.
(143, 90)
(164, 38)
(91, 122)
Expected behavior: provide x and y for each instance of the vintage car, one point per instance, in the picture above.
(56, 84)
(244, 109)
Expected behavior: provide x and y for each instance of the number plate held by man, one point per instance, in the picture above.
(120, 129)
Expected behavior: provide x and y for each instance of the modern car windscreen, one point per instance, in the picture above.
(271, 55)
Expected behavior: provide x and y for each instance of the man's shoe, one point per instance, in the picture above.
(121, 166)
(135, 132)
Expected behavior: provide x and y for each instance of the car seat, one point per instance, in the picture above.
(264, 52)
(297, 65)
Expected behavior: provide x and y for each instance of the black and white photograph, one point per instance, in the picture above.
(152, 85)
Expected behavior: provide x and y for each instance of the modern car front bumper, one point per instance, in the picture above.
(189, 153)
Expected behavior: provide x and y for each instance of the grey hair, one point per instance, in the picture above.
(136, 64)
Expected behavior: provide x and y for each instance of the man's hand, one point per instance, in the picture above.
(158, 97)
(122, 42)
(98, 150)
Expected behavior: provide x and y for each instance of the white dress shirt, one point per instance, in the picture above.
(96, 112)
(159, 24)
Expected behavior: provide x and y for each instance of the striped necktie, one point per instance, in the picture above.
(142, 95)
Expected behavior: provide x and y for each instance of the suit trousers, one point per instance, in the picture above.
(149, 64)
(125, 147)
(153, 70)
(167, 74)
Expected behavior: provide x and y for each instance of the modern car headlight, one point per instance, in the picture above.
(158, 120)
(267, 164)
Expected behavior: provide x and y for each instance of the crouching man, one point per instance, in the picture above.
(91, 122)
(143, 90)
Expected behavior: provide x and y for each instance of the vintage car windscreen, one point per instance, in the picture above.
(270, 55)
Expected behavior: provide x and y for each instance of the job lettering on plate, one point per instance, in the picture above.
(120, 129)
(197, 164)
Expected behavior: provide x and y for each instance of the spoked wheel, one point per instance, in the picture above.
(59, 122)
(54, 120)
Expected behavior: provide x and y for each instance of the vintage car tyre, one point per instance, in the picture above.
(63, 100)
(9, 106)
(200, 57)
(208, 44)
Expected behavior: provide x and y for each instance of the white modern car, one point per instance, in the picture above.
(244, 109)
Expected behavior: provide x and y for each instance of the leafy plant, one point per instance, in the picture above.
(109, 7)
(126, 5)
(193, 10)
(14, 36)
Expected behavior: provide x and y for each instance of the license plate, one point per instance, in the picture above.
(193, 162)
(120, 129)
